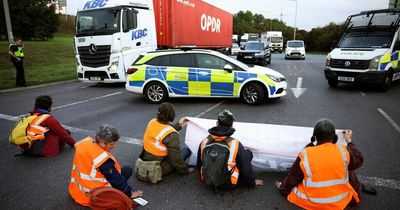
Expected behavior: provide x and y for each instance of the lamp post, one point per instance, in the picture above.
(295, 21)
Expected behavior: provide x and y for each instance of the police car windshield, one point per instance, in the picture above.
(254, 46)
(98, 22)
(366, 40)
(295, 44)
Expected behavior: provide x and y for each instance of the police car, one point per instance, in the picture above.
(201, 73)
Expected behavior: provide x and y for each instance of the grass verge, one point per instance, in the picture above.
(45, 62)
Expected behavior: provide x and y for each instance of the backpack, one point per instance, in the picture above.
(103, 198)
(19, 135)
(215, 159)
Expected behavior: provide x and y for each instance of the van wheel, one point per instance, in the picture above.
(252, 94)
(155, 92)
(386, 83)
(333, 83)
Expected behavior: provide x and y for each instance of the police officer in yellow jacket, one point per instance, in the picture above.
(17, 58)
(161, 142)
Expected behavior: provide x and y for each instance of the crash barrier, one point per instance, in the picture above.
(274, 147)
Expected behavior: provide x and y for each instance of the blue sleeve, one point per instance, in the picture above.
(115, 178)
(243, 163)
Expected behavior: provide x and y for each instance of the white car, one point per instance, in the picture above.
(295, 49)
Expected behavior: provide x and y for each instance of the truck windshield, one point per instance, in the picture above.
(98, 22)
(254, 46)
(276, 39)
(253, 38)
(295, 44)
(366, 40)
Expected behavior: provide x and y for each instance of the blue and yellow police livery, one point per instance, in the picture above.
(201, 73)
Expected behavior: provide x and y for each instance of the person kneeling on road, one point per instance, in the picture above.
(94, 166)
(48, 136)
(222, 160)
(161, 142)
(323, 176)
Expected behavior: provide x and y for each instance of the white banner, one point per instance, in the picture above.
(274, 147)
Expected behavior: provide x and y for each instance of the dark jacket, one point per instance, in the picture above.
(243, 157)
(116, 179)
(55, 138)
(296, 175)
(174, 160)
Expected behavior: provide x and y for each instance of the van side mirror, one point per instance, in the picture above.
(129, 20)
(396, 45)
(333, 45)
(228, 68)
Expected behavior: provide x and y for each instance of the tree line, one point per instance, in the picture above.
(318, 39)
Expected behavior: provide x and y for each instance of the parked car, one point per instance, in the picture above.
(295, 49)
(201, 73)
(235, 49)
(255, 53)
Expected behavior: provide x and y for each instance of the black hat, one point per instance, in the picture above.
(225, 118)
(324, 130)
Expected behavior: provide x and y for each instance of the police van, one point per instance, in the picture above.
(368, 50)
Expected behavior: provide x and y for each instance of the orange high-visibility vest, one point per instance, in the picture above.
(153, 137)
(36, 132)
(85, 175)
(326, 178)
(231, 164)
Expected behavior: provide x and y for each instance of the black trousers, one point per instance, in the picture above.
(20, 77)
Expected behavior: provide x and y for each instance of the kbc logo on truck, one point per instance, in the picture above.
(95, 3)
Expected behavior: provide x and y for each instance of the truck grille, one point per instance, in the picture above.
(354, 64)
(101, 57)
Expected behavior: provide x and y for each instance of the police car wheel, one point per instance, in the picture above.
(252, 94)
(155, 92)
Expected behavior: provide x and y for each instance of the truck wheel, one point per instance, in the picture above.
(386, 83)
(252, 94)
(155, 92)
(333, 83)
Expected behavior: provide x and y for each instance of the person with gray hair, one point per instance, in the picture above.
(323, 175)
(94, 166)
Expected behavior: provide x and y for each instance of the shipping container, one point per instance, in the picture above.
(192, 23)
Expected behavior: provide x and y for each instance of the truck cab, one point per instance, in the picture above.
(109, 36)
(368, 50)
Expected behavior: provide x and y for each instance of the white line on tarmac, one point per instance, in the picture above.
(363, 94)
(373, 181)
(125, 139)
(84, 101)
(379, 182)
(209, 109)
(391, 121)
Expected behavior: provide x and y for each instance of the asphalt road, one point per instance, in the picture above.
(42, 183)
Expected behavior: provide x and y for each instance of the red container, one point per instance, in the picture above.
(191, 22)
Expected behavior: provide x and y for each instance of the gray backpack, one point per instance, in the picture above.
(214, 167)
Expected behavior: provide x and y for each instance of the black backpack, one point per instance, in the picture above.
(214, 167)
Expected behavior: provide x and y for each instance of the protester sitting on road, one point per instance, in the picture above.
(161, 142)
(222, 160)
(323, 177)
(48, 136)
(94, 166)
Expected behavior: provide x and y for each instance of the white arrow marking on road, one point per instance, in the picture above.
(298, 91)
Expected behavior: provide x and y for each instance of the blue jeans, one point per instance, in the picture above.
(185, 152)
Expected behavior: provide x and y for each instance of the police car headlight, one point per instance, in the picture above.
(276, 78)
(328, 60)
(374, 63)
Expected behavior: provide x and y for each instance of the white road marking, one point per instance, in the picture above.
(298, 91)
(373, 181)
(391, 121)
(363, 94)
(84, 101)
(209, 109)
(86, 86)
(379, 182)
(124, 139)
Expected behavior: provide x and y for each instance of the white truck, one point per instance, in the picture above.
(111, 34)
(275, 40)
(368, 50)
(247, 37)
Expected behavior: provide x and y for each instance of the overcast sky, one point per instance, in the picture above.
(310, 13)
